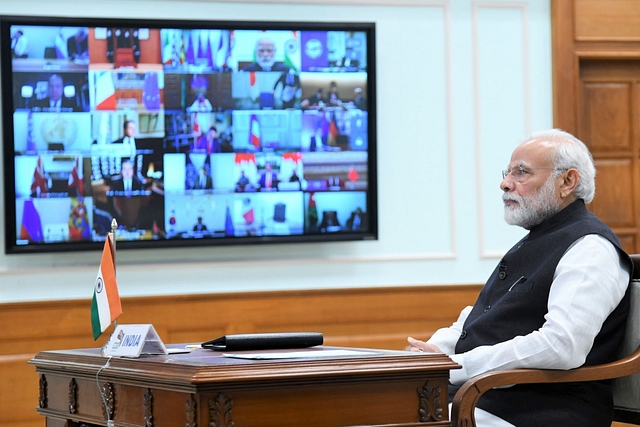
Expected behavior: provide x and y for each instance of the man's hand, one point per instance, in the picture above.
(421, 346)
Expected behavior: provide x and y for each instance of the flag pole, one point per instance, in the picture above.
(112, 236)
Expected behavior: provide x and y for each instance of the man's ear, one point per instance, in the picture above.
(570, 180)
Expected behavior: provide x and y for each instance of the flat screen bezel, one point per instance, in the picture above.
(6, 77)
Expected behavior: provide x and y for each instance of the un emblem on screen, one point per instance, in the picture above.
(313, 48)
(99, 285)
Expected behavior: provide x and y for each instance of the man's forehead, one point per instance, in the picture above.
(265, 44)
(532, 153)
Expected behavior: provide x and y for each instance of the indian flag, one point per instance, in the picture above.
(292, 52)
(105, 307)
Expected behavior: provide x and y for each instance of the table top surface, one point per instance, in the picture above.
(201, 365)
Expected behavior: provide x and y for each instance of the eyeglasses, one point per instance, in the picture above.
(519, 172)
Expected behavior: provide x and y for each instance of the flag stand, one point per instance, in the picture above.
(112, 236)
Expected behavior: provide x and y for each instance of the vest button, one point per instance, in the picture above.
(487, 308)
(502, 275)
(463, 335)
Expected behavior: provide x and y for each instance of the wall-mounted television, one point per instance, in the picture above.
(188, 133)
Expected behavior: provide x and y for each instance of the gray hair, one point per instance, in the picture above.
(571, 153)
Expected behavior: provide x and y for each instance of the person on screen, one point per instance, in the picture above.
(19, 45)
(201, 104)
(357, 221)
(318, 140)
(55, 101)
(209, 142)
(203, 181)
(358, 99)
(314, 102)
(128, 138)
(268, 179)
(294, 177)
(349, 60)
(78, 46)
(265, 57)
(333, 98)
(243, 184)
(558, 299)
(199, 227)
(290, 83)
(128, 183)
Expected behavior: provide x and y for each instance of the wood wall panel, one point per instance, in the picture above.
(613, 203)
(593, 68)
(368, 317)
(607, 115)
(596, 77)
(607, 19)
(628, 241)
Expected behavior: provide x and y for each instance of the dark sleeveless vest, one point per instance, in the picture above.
(513, 302)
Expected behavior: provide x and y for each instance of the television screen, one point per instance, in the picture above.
(186, 132)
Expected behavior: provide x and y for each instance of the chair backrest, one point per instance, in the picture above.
(626, 390)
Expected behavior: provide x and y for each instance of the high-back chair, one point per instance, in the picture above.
(625, 372)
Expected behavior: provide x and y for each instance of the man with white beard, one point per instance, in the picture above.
(265, 57)
(557, 300)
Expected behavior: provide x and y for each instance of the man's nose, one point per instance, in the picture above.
(507, 183)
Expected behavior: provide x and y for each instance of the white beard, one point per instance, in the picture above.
(266, 62)
(531, 211)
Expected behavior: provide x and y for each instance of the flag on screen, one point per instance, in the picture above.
(105, 306)
(61, 46)
(254, 132)
(78, 225)
(105, 91)
(353, 174)
(207, 165)
(291, 52)
(31, 229)
(190, 55)
(228, 224)
(40, 183)
(196, 125)
(201, 52)
(31, 144)
(333, 131)
(151, 92)
(176, 58)
(210, 54)
(254, 87)
(167, 47)
(312, 210)
(182, 54)
(230, 44)
(249, 216)
(190, 174)
(219, 52)
(76, 187)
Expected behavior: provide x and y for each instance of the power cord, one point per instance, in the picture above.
(110, 422)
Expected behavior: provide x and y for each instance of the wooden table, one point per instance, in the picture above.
(204, 388)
